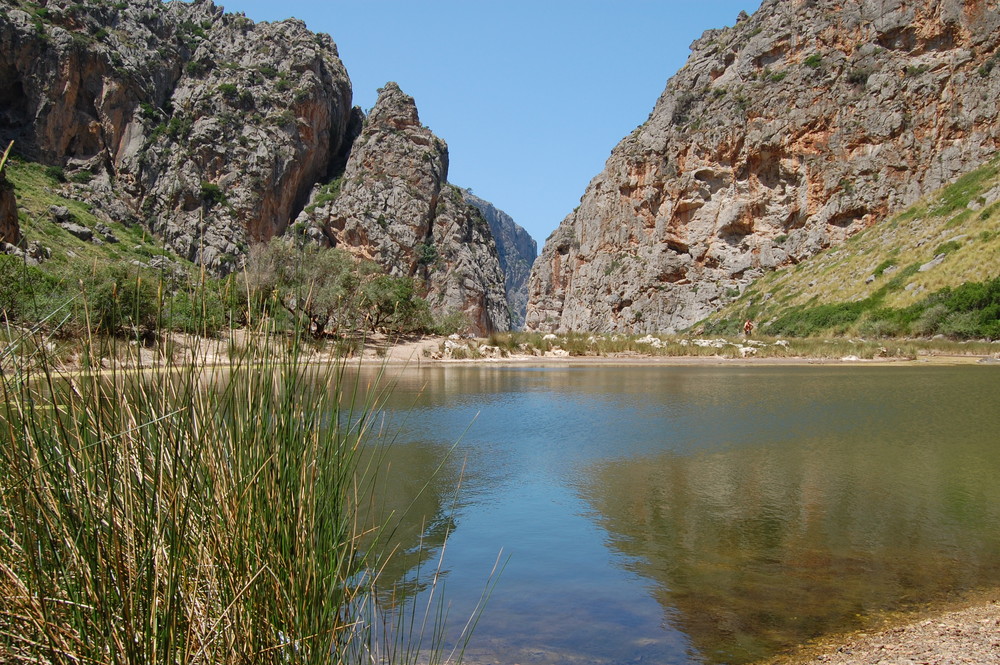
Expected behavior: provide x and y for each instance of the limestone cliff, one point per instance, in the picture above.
(205, 126)
(785, 134)
(213, 131)
(393, 205)
(517, 250)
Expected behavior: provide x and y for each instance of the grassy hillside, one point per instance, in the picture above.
(38, 188)
(932, 269)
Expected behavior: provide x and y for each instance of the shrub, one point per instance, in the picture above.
(83, 176)
(813, 61)
(117, 302)
(858, 76)
(804, 322)
(56, 173)
(228, 90)
(947, 247)
(27, 293)
(427, 255)
(929, 321)
(882, 267)
(211, 193)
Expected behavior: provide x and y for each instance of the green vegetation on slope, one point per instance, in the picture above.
(932, 269)
(121, 282)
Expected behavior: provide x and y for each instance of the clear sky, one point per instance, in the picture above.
(530, 95)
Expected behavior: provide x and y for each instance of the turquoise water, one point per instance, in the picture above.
(691, 514)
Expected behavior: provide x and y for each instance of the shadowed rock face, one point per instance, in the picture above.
(395, 207)
(781, 136)
(517, 250)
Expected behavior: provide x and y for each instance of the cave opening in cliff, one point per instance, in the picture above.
(13, 104)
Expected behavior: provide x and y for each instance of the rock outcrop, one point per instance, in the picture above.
(517, 250)
(205, 126)
(214, 131)
(393, 205)
(782, 135)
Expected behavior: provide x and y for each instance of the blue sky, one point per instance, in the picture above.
(531, 96)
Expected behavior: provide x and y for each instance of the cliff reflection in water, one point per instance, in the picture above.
(692, 514)
(779, 538)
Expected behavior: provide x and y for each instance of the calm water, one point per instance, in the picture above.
(693, 515)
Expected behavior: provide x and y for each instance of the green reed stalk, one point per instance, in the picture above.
(190, 515)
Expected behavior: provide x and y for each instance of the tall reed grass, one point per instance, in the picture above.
(192, 515)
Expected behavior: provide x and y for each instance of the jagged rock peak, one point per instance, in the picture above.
(393, 205)
(782, 135)
(394, 108)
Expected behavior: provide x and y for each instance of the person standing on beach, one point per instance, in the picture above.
(748, 327)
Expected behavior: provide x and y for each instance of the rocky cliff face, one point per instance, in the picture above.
(517, 250)
(213, 131)
(393, 205)
(782, 135)
(205, 126)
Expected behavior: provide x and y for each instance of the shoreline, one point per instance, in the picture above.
(423, 352)
(965, 629)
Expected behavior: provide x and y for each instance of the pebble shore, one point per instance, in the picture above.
(966, 636)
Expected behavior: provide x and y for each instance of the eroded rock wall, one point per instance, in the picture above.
(214, 131)
(782, 135)
(393, 205)
(208, 128)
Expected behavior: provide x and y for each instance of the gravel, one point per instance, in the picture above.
(970, 635)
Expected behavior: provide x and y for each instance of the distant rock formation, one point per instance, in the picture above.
(393, 205)
(782, 135)
(517, 250)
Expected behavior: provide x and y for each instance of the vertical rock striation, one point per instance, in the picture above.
(393, 205)
(782, 135)
(517, 250)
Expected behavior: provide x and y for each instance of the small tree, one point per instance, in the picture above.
(317, 286)
(391, 303)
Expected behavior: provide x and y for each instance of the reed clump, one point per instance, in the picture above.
(192, 515)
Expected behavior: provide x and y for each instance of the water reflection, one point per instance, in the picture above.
(697, 514)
